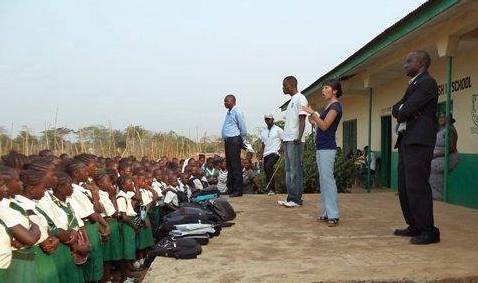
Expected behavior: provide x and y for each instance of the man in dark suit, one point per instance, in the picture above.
(415, 114)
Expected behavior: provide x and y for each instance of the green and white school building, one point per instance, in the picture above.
(373, 80)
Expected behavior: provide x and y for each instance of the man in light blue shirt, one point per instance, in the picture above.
(233, 132)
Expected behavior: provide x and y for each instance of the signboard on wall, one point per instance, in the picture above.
(456, 86)
(474, 113)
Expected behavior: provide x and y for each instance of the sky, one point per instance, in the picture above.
(167, 65)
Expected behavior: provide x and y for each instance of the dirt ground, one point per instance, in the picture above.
(276, 244)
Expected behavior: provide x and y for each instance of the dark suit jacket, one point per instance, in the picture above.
(419, 111)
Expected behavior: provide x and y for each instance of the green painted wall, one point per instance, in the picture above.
(394, 173)
(463, 182)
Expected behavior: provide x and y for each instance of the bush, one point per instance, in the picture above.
(344, 171)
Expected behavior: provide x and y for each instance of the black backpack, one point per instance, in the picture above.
(181, 248)
(222, 208)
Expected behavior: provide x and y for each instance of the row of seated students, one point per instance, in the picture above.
(85, 218)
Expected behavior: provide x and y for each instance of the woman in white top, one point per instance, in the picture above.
(34, 187)
(64, 225)
(19, 260)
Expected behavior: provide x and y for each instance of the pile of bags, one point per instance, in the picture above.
(184, 230)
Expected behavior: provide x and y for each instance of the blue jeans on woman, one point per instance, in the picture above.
(328, 187)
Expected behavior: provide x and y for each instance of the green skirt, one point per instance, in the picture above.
(129, 246)
(45, 267)
(154, 215)
(68, 271)
(3, 275)
(144, 238)
(22, 269)
(113, 247)
(93, 268)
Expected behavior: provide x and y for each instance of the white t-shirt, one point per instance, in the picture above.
(81, 203)
(107, 204)
(124, 203)
(56, 213)
(171, 197)
(5, 248)
(272, 140)
(37, 218)
(294, 110)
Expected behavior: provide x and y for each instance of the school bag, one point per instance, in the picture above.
(222, 208)
(206, 195)
(178, 248)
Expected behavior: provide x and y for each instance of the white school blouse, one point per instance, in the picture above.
(124, 203)
(38, 218)
(80, 203)
(107, 204)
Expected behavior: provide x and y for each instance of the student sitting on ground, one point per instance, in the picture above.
(249, 177)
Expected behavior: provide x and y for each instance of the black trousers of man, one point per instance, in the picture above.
(414, 165)
(233, 147)
(269, 162)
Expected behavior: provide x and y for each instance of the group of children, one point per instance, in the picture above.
(89, 218)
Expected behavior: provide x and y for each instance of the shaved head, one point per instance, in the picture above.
(424, 57)
(231, 98)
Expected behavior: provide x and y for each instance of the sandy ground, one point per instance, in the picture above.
(276, 244)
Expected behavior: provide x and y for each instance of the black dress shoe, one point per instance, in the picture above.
(407, 232)
(426, 238)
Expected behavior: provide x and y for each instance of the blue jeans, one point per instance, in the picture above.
(328, 187)
(293, 171)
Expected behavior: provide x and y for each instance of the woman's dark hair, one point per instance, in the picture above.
(74, 166)
(122, 180)
(335, 85)
(101, 174)
(63, 178)
(41, 164)
(6, 173)
(32, 178)
(15, 160)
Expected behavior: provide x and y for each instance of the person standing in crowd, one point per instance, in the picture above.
(271, 146)
(415, 114)
(438, 161)
(326, 123)
(233, 132)
(294, 140)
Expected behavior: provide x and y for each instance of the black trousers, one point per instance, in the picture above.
(233, 147)
(269, 162)
(414, 164)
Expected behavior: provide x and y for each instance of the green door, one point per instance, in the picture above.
(386, 150)
(350, 136)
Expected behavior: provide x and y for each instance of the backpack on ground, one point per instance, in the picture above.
(222, 208)
(178, 248)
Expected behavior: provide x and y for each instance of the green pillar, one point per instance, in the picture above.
(369, 153)
(449, 65)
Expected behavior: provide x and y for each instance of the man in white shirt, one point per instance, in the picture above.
(294, 139)
(271, 138)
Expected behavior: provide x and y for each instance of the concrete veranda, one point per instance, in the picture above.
(271, 243)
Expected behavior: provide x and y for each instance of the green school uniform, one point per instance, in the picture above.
(23, 267)
(144, 238)
(93, 268)
(68, 271)
(45, 268)
(154, 215)
(4, 272)
(129, 241)
(113, 247)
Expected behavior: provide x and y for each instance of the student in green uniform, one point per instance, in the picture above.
(85, 203)
(128, 228)
(24, 234)
(144, 238)
(64, 225)
(112, 246)
(34, 187)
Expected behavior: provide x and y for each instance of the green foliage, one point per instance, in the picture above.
(344, 171)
